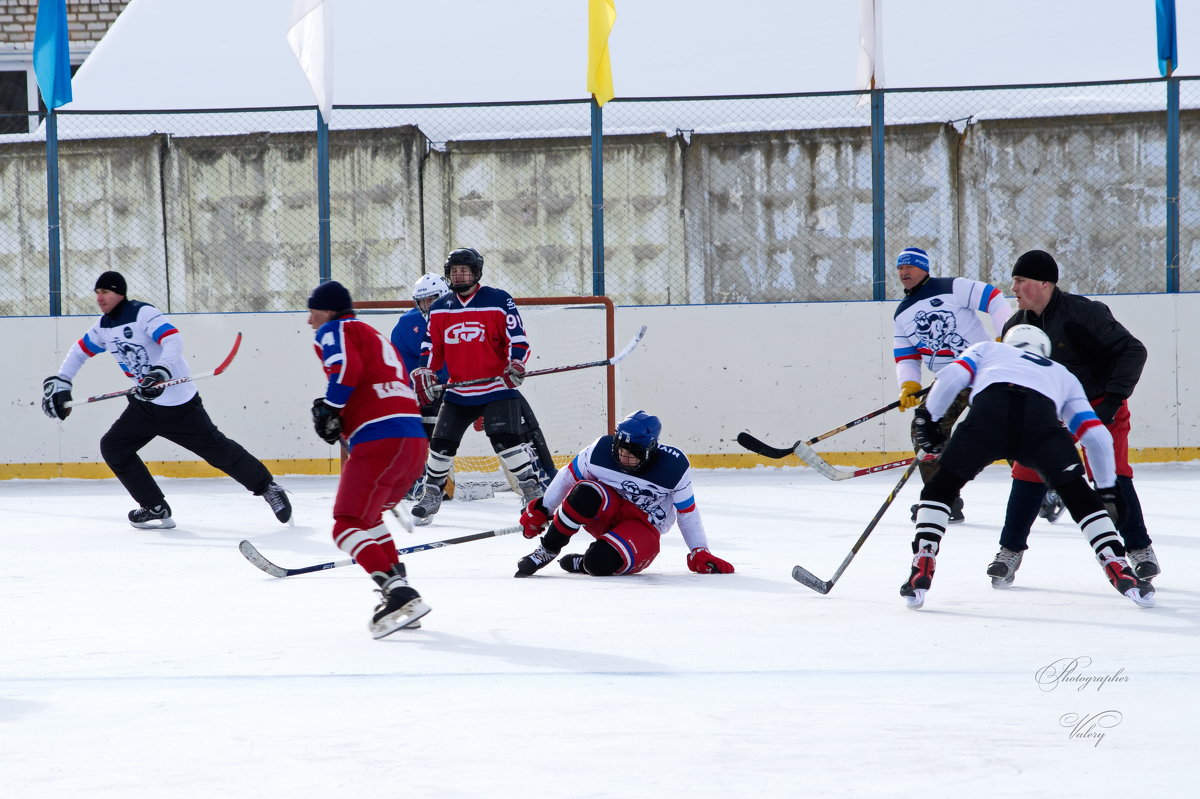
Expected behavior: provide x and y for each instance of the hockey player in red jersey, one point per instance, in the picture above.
(476, 332)
(626, 490)
(369, 406)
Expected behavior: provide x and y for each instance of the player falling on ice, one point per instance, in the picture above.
(1020, 400)
(625, 490)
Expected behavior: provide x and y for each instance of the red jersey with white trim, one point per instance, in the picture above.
(475, 338)
(367, 381)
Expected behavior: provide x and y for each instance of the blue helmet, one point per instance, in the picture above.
(637, 434)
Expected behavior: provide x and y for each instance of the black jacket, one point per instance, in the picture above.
(1086, 339)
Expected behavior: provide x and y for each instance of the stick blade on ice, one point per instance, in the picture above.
(807, 578)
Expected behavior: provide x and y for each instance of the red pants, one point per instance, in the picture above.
(375, 478)
(1120, 435)
(624, 527)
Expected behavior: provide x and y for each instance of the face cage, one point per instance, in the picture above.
(640, 451)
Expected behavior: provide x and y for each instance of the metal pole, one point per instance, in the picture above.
(1172, 185)
(323, 238)
(54, 227)
(597, 199)
(878, 243)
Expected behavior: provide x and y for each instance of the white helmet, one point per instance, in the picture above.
(1028, 337)
(429, 287)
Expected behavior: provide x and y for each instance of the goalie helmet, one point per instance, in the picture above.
(470, 257)
(637, 434)
(429, 287)
(1028, 337)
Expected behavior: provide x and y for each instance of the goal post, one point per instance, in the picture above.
(572, 408)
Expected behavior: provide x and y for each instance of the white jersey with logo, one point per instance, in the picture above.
(938, 320)
(989, 362)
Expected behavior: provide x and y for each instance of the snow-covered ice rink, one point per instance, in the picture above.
(162, 664)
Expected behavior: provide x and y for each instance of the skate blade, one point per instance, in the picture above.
(157, 524)
(1002, 583)
(916, 601)
(1141, 601)
(422, 521)
(405, 618)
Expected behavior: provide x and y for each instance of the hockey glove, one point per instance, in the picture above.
(1107, 409)
(426, 385)
(926, 433)
(514, 374)
(327, 421)
(1114, 503)
(534, 518)
(149, 387)
(701, 561)
(908, 395)
(56, 393)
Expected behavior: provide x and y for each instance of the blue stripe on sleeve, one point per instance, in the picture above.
(989, 294)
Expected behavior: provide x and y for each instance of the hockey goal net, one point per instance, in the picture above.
(573, 408)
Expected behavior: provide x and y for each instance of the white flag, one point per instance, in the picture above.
(311, 39)
(870, 44)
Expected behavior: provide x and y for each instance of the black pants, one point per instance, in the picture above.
(188, 426)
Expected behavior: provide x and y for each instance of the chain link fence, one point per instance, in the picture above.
(705, 200)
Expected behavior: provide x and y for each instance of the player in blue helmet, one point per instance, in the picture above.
(625, 490)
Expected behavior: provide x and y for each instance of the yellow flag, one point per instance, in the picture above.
(601, 16)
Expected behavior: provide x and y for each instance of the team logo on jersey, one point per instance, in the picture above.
(133, 358)
(127, 332)
(464, 332)
(936, 303)
(938, 331)
(647, 501)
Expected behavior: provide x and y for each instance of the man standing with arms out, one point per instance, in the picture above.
(1107, 360)
(477, 334)
(625, 490)
(149, 350)
(370, 406)
(1020, 402)
(935, 322)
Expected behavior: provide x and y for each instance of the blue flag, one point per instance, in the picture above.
(1168, 48)
(52, 53)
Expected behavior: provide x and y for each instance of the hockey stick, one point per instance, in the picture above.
(761, 448)
(805, 577)
(254, 556)
(827, 469)
(613, 361)
(237, 342)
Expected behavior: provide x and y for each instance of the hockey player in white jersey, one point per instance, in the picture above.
(626, 490)
(937, 320)
(1020, 402)
(149, 350)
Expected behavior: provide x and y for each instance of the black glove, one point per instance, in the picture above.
(149, 387)
(327, 421)
(1114, 502)
(926, 433)
(1107, 409)
(56, 393)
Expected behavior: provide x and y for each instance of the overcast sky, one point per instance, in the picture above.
(184, 53)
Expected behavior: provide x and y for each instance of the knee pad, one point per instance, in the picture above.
(601, 560)
(584, 500)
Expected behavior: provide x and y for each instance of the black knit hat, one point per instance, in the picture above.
(330, 296)
(113, 281)
(1036, 265)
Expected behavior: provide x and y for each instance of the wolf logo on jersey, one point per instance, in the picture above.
(938, 332)
(647, 500)
(132, 358)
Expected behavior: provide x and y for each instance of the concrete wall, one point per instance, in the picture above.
(781, 371)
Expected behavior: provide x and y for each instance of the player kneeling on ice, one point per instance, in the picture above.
(625, 490)
(1020, 400)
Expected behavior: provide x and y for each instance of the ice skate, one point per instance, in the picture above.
(276, 497)
(1143, 562)
(400, 607)
(572, 564)
(1125, 581)
(158, 517)
(1003, 568)
(1052, 507)
(913, 590)
(535, 560)
(424, 511)
(531, 489)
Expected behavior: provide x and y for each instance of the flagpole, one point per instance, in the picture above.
(1172, 183)
(53, 221)
(325, 249)
(597, 199)
(878, 233)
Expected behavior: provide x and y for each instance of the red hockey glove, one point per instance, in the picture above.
(534, 518)
(426, 385)
(701, 561)
(514, 374)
